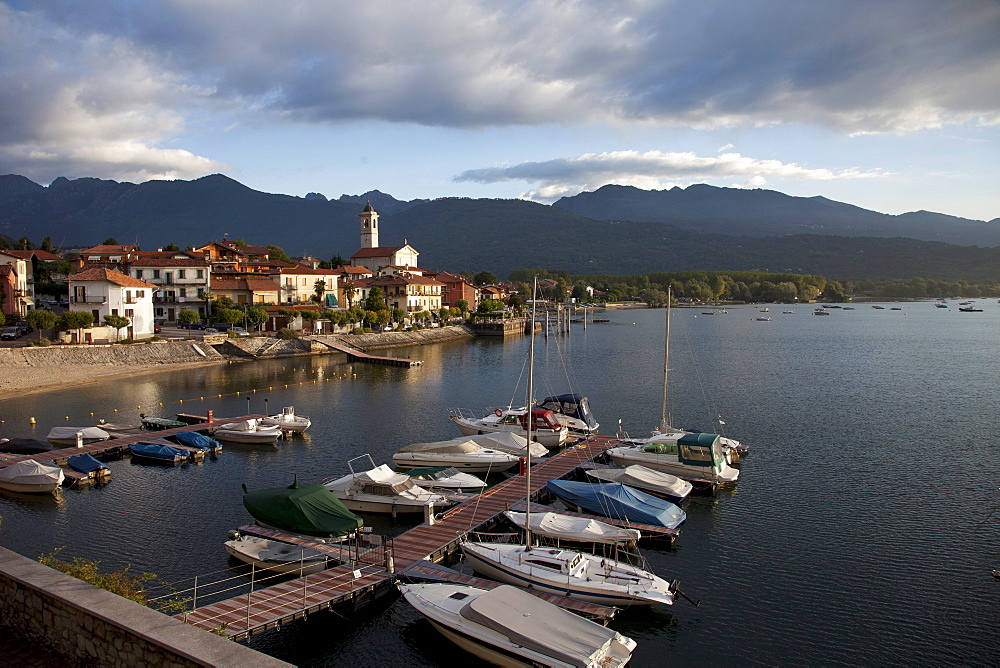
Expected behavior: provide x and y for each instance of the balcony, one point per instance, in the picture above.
(89, 299)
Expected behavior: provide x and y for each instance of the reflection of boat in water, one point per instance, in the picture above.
(507, 626)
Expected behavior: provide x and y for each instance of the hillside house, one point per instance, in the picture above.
(298, 285)
(104, 292)
(182, 280)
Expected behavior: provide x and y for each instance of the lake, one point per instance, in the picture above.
(863, 529)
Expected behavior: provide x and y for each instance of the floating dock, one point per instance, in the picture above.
(356, 355)
(374, 573)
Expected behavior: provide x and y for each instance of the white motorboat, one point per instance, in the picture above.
(382, 490)
(509, 627)
(68, 435)
(573, 529)
(733, 449)
(276, 556)
(565, 572)
(288, 420)
(697, 458)
(461, 454)
(504, 441)
(657, 483)
(446, 478)
(248, 431)
(570, 573)
(544, 426)
(572, 410)
(31, 477)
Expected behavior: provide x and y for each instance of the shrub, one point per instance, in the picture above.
(35, 343)
(287, 334)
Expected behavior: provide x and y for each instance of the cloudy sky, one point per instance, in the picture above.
(890, 105)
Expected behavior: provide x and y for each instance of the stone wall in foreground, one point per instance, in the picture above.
(91, 626)
(135, 354)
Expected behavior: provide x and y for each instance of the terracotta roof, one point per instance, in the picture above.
(378, 251)
(179, 254)
(303, 269)
(403, 279)
(347, 270)
(251, 284)
(28, 254)
(168, 262)
(7, 269)
(111, 276)
(110, 249)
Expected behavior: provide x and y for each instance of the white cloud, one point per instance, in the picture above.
(649, 170)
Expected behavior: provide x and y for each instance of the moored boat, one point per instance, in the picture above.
(509, 627)
(311, 510)
(463, 455)
(89, 465)
(248, 431)
(30, 477)
(446, 478)
(193, 439)
(618, 501)
(68, 435)
(657, 483)
(273, 555)
(698, 458)
(544, 426)
(158, 452)
(572, 410)
(23, 446)
(288, 420)
(568, 528)
(382, 490)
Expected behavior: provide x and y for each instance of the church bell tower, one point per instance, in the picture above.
(369, 227)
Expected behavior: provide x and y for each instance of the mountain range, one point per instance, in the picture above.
(613, 230)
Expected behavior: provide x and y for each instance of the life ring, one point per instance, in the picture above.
(498, 412)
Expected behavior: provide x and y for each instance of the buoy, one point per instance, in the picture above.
(31, 420)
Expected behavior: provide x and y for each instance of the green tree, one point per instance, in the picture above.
(319, 287)
(277, 253)
(489, 305)
(229, 315)
(484, 278)
(462, 305)
(47, 244)
(309, 317)
(70, 320)
(336, 261)
(40, 319)
(188, 316)
(397, 315)
(110, 241)
(116, 322)
(376, 299)
(256, 316)
(172, 247)
(350, 290)
(24, 243)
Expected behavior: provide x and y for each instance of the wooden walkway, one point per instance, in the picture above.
(356, 355)
(118, 444)
(270, 607)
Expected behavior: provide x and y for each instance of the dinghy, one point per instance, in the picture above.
(273, 555)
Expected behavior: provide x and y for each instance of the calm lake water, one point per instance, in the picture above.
(863, 530)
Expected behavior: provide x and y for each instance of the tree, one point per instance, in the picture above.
(376, 299)
(484, 278)
(397, 314)
(47, 244)
(490, 305)
(350, 290)
(117, 322)
(40, 319)
(319, 287)
(229, 315)
(256, 316)
(277, 253)
(74, 320)
(336, 261)
(462, 305)
(171, 247)
(187, 316)
(309, 317)
(110, 241)
(23, 244)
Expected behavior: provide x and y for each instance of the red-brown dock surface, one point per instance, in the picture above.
(271, 606)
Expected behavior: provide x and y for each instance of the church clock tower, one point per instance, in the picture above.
(369, 227)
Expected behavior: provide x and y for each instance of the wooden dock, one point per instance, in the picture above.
(374, 574)
(356, 355)
(118, 445)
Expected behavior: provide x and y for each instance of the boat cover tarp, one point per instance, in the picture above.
(85, 463)
(383, 474)
(308, 509)
(429, 471)
(30, 472)
(618, 501)
(509, 442)
(644, 478)
(538, 625)
(157, 451)
(573, 405)
(578, 529)
(454, 445)
(24, 446)
(89, 433)
(193, 439)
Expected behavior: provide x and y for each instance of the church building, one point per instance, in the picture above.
(375, 257)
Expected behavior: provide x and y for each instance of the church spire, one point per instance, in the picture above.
(369, 227)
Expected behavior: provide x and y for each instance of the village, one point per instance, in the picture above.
(117, 292)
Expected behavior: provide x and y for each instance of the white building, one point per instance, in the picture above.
(182, 281)
(107, 292)
(298, 284)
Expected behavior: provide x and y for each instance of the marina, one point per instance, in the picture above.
(816, 494)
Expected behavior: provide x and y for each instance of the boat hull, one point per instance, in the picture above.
(247, 437)
(30, 488)
(405, 460)
(387, 508)
(548, 438)
(670, 464)
(306, 566)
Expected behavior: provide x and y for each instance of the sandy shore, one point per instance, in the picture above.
(19, 381)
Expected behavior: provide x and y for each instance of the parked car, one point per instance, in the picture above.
(10, 334)
(24, 327)
(193, 325)
(211, 330)
(222, 327)
(239, 331)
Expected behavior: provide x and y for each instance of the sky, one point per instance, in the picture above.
(891, 105)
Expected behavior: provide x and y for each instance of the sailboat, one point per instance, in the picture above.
(566, 572)
(694, 456)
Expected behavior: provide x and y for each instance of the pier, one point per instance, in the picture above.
(356, 355)
(373, 573)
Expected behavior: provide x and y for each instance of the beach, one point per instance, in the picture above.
(19, 381)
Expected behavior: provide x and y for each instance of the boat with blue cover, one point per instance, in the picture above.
(193, 439)
(156, 452)
(621, 502)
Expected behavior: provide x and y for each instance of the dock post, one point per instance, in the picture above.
(429, 513)
(79, 439)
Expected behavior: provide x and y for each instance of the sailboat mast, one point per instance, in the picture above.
(530, 416)
(666, 363)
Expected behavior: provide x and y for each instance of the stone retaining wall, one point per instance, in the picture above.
(368, 342)
(136, 354)
(91, 626)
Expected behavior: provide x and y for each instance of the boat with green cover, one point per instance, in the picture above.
(311, 510)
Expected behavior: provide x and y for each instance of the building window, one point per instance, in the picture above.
(156, 273)
(182, 292)
(199, 273)
(138, 273)
(180, 273)
(140, 294)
